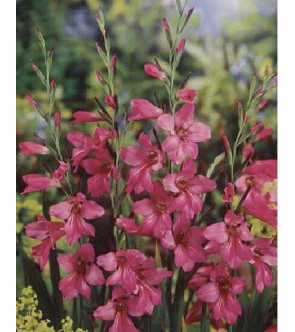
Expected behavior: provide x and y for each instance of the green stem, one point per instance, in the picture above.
(178, 302)
(205, 324)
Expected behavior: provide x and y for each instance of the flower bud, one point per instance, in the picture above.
(110, 101)
(32, 101)
(225, 142)
(165, 24)
(262, 104)
(154, 71)
(99, 77)
(53, 84)
(113, 63)
(57, 116)
(180, 47)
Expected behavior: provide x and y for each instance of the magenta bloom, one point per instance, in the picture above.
(74, 211)
(188, 95)
(156, 211)
(186, 242)
(85, 116)
(84, 144)
(261, 202)
(46, 231)
(229, 235)
(101, 169)
(219, 292)
(124, 264)
(28, 148)
(144, 109)
(83, 271)
(118, 309)
(188, 187)
(154, 71)
(144, 160)
(38, 182)
(184, 134)
(263, 255)
(147, 276)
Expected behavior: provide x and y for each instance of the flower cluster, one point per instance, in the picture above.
(152, 192)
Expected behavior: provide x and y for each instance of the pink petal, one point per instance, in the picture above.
(105, 312)
(169, 183)
(174, 148)
(185, 116)
(28, 148)
(166, 121)
(86, 252)
(216, 232)
(209, 292)
(61, 210)
(237, 285)
(91, 210)
(94, 276)
(84, 116)
(82, 287)
(144, 207)
(67, 286)
(133, 155)
(107, 261)
(199, 132)
(128, 225)
(143, 109)
(67, 262)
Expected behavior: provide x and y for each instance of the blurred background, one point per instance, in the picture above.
(227, 42)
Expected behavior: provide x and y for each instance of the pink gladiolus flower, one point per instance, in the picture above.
(29, 147)
(187, 187)
(144, 109)
(229, 192)
(263, 255)
(110, 101)
(85, 116)
(148, 296)
(83, 271)
(261, 202)
(188, 95)
(74, 211)
(84, 144)
(219, 293)
(124, 264)
(156, 211)
(154, 71)
(46, 231)
(180, 47)
(186, 242)
(38, 182)
(144, 160)
(230, 235)
(118, 309)
(102, 168)
(184, 134)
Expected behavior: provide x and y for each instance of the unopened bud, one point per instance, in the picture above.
(225, 142)
(165, 24)
(180, 47)
(53, 84)
(99, 77)
(31, 100)
(57, 116)
(113, 63)
(110, 101)
(239, 105)
(262, 104)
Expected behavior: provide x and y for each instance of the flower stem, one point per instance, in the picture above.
(178, 302)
